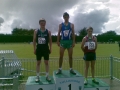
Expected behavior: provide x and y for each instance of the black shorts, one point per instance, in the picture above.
(89, 56)
(44, 54)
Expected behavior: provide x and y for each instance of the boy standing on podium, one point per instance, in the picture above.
(42, 37)
(67, 41)
(89, 46)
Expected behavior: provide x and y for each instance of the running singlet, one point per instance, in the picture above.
(89, 44)
(66, 31)
(42, 39)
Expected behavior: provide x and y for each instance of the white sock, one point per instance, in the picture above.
(47, 74)
(38, 74)
(70, 68)
(60, 68)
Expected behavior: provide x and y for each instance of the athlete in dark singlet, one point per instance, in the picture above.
(42, 37)
(89, 46)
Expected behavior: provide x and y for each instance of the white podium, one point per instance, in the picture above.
(42, 85)
(92, 86)
(68, 81)
(65, 81)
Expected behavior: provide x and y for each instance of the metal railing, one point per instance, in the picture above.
(8, 54)
(9, 83)
(115, 68)
(9, 67)
(102, 67)
(105, 67)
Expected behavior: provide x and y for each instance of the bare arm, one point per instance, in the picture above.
(50, 41)
(82, 44)
(34, 41)
(73, 34)
(95, 43)
(58, 36)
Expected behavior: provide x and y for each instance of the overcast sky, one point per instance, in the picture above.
(102, 15)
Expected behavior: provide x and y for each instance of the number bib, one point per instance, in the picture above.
(41, 40)
(66, 32)
(91, 45)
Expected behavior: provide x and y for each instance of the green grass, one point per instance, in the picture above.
(24, 50)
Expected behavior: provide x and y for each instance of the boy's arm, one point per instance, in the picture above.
(73, 35)
(50, 41)
(58, 35)
(34, 41)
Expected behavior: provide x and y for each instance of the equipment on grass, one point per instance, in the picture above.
(10, 65)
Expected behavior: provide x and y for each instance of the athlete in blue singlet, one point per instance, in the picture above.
(67, 41)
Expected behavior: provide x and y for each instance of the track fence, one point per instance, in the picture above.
(10, 83)
(106, 67)
(28, 66)
(115, 69)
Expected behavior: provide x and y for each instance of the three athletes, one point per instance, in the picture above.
(42, 43)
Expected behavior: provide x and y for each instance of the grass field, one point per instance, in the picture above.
(25, 50)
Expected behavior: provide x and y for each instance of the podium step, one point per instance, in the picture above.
(42, 85)
(92, 86)
(68, 81)
(65, 81)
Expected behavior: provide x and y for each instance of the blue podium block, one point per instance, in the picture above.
(42, 85)
(92, 86)
(68, 81)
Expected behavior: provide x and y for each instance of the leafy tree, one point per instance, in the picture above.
(108, 33)
(20, 31)
(83, 32)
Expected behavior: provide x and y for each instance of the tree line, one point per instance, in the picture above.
(25, 35)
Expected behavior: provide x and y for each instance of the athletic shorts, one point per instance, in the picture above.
(89, 56)
(66, 43)
(44, 54)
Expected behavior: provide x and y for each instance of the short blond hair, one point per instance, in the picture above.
(42, 19)
(89, 28)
